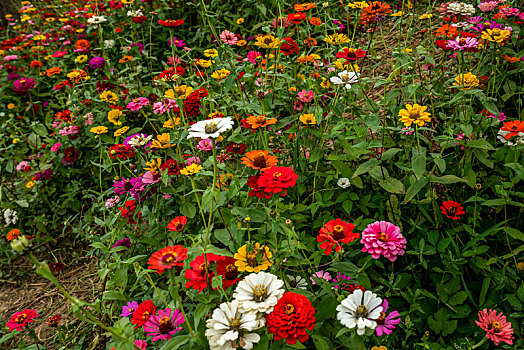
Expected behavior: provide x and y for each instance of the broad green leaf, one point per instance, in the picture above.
(393, 185)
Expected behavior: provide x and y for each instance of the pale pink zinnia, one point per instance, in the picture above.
(496, 327)
(305, 96)
(205, 145)
(461, 44)
(164, 324)
(383, 238)
(228, 37)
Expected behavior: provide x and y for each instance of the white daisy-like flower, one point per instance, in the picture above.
(343, 182)
(258, 292)
(136, 13)
(519, 138)
(140, 140)
(297, 282)
(360, 310)
(10, 216)
(345, 77)
(96, 20)
(109, 44)
(210, 128)
(228, 328)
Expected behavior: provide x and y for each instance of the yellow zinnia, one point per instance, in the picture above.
(337, 39)
(267, 41)
(99, 130)
(114, 116)
(162, 141)
(109, 96)
(220, 74)
(308, 118)
(466, 81)
(191, 169)
(414, 115)
(169, 123)
(121, 131)
(179, 92)
(255, 260)
(211, 53)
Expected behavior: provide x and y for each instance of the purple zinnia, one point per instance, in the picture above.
(22, 86)
(44, 175)
(124, 242)
(386, 324)
(127, 310)
(128, 186)
(97, 63)
(164, 324)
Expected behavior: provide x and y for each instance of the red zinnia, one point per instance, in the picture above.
(496, 327)
(170, 23)
(236, 148)
(334, 233)
(276, 179)
(514, 127)
(177, 224)
(229, 272)
(452, 209)
(296, 18)
(289, 47)
(121, 151)
(142, 313)
(351, 54)
(167, 257)
(197, 275)
(21, 319)
(53, 320)
(290, 318)
(172, 166)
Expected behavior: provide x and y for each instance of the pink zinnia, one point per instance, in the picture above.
(322, 275)
(383, 238)
(462, 43)
(386, 324)
(21, 319)
(496, 327)
(305, 96)
(56, 147)
(141, 344)
(205, 145)
(164, 324)
(137, 104)
(228, 37)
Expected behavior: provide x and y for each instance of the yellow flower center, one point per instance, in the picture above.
(382, 236)
(496, 326)
(259, 292)
(290, 309)
(211, 128)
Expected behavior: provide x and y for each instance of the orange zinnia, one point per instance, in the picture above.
(304, 7)
(167, 258)
(514, 127)
(260, 160)
(53, 71)
(13, 234)
(447, 30)
(259, 121)
(510, 59)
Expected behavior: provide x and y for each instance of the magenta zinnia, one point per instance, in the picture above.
(383, 238)
(164, 324)
(21, 319)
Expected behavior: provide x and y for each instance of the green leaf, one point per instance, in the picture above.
(393, 185)
(484, 290)
(188, 209)
(176, 342)
(458, 298)
(414, 189)
(440, 323)
(365, 167)
(513, 232)
(446, 179)
(346, 268)
(482, 144)
(520, 292)
(320, 342)
(418, 164)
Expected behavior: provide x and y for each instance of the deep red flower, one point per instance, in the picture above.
(167, 258)
(236, 148)
(142, 313)
(139, 19)
(296, 18)
(177, 224)
(277, 179)
(452, 209)
(21, 319)
(290, 318)
(256, 190)
(71, 154)
(289, 47)
(128, 211)
(229, 272)
(53, 320)
(121, 151)
(351, 54)
(169, 23)
(443, 44)
(172, 166)
(334, 233)
(198, 277)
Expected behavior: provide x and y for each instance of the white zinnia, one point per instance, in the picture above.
(297, 282)
(10, 216)
(140, 140)
(228, 328)
(96, 20)
(211, 128)
(346, 78)
(258, 292)
(343, 182)
(514, 140)
(360, 310)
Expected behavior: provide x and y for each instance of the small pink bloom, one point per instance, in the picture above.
(56, 147)
(228, 37)
(205, 145)
(496, 327)
(383, 238)
(305, 96)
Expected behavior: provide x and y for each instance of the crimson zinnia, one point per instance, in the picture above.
(334, 233)
(177, 224)
(277, 179)
(290, 318)
(198, 275)
(142, 313)
(351, 54)
(167, 257)
(452, 209)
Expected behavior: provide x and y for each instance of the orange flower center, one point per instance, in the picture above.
(21, 318)
(290, 309)
(382, 236)
(495, 326)
(276, 175)
(361, 311)
(168, 258)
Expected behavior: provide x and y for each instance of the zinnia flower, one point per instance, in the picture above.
(167, 257)
(346, 78)
(129, 309)
(466, 81)
(277, 179)
(259, 121)
(385, 324)
(334, 233)
(452, 209)
(258, 292)
(228, 328)
(211, 128)
(290, 318)
(177, 224)
(164, 324)
(496, 327)
(256, 259)
(199, 275)
(260, 160)
(21, 319)
(383, 238)
(360, 310)
(415, 114)
(142, 313)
